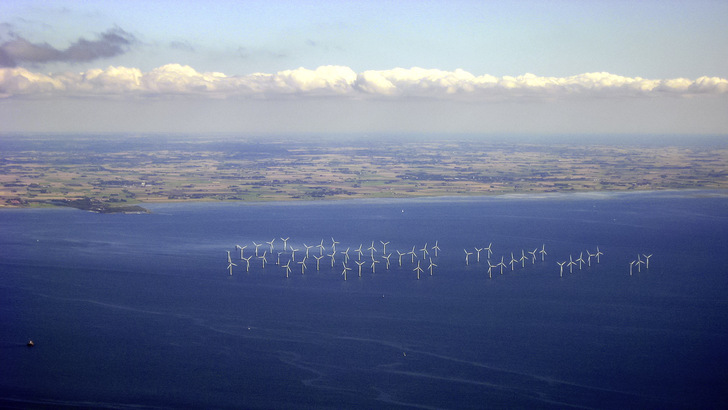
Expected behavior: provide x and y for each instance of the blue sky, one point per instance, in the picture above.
(376, 66)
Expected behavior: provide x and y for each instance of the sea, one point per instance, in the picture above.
(142, 311)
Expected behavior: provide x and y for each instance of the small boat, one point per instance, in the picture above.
(30, 343)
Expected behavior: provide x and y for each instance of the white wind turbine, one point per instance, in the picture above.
(271, 244)
(523, 259)
(412, 252)
(241, 249)
(435, 248)
(418, 269)
(561, 268)
(478, 250)
(359, 251)
(346, 255)
(359, 263)
(400, 254)
(386, 258)
(303, 265)
(571, 264)
(373, 249)
(285, 243)
(321, 247)
(432, 265)
(308, 248)
(598, 253)
(513, 261)
(278, 258)
(424, 251)
(533, 256)
(247, 263)
(589, 255)
(490, 253)
(257, 245)
(384, 246)
(346, 268)
(374, 264)
(263, 258)
(287, 266)
(333, 244)
(490, 269)
(318, 261)
(647, 260)
(639, 263)
(230, 263)
(543, 251)
(581, 259)
(333, 258)
(501, 264)
(467, 256)
(293, 253)
(630, 267)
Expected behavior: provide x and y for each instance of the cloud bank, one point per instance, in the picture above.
(174, 80)
(110, 43)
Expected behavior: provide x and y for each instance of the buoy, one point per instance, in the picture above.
(30, 343)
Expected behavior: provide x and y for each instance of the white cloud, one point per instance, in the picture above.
(331, 81)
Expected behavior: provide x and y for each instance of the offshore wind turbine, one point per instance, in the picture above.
(647, 260)
(598, 253)
(418, 269)
(241, 249)
(287, 266)
(293, 253)
(630, 267)
(513, 261)
(384, 246)
(639, 263)
(230, 263)
(490, 253)
(412, 252)
(571, 264)
(257, 245)
(333, 244)
(543, 251)
(386, 258)
(308, 248)
(263, 258)
(533, 256)
(228, 257)
(359, 251)
(435, 248)
(285, 243)
(373, 249)
(561, 268)
(523, 259)
(278, 258)
(490, 269)
(271, 244)
(321, 247)
(432, 265)
(400, 254)
(333, 258)
(581, 259)
(346, 268)
(478, 250)
(359, 263)
(247, 263)
(346, 255)
(502, 265)
(424, 251)
(374, 264)
(589, 255)
(303, 265)
(467, 256)
(318, 260)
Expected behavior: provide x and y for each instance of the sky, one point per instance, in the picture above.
(539, 67)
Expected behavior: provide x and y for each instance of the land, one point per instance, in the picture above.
(117, 173)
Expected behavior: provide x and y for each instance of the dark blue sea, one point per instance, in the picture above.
(140, 311)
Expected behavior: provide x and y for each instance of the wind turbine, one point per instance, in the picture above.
(478, 250)
(263, 258)
(333, 244)
(639, 262)
(371, 248)
(432, 265)
(467, 256)
(589, 255)
(321, 247)
(571, 264)
(293, 253)
(412, 252)
(230, 263)
(598, 253)
(308, 247)
(285, 243)
(523, 259)
(513, 261)
(418, 269)
(333, 259)
(400, 254)
(303, 265)
(384, 246)
(490, 253)
(359, 263)
(386, 258)
(581, 259)
(241, 249)
(247, 263)
(647, 260)
(346, 268)
(257, 245)
(278, 258)
(271, 244)
(630, 267)
(374, 262)
(287, 266)
(435, 248)
(533, 256)
(346, 255)
(424, 251)
(490, 269)
(318, 260)
(561, 268)
(358, 250)
(501, 264)
(543, 251)
(228, 257)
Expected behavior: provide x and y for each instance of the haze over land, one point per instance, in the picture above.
(331, 67)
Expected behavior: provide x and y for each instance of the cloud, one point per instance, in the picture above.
(111, 43)
(340, 81)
